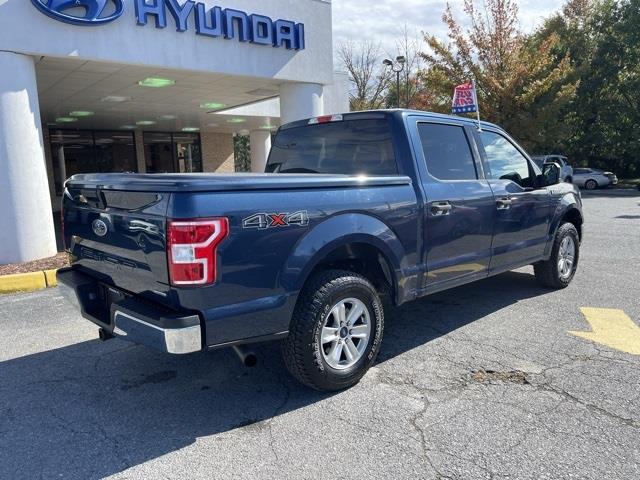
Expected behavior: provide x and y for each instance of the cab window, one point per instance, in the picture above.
(504, 160)
(447, 152)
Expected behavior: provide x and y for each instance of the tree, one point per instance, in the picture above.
(363, 61)
(521, 84)
(602, 40)
(609, 93)
(411, 86)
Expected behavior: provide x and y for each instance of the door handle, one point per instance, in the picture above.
(439, 209)
(503, 203)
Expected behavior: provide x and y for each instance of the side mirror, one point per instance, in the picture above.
(550, 174)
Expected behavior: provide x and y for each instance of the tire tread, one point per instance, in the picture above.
(295, 346)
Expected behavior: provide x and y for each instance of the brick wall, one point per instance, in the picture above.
(217, 152)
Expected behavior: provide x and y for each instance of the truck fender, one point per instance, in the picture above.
(341, 230)
(568, 205)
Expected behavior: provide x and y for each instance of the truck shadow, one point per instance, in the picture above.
(94, 409)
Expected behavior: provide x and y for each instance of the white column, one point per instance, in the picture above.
(26, 221)
(260, 141)
(300, 100)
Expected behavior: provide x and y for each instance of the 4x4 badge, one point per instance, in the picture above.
(263, 221)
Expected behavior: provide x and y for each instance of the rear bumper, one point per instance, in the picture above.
(131, 318)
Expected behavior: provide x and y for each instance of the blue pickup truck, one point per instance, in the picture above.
(353, 209)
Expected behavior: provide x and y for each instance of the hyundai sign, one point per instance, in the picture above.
(214, 22)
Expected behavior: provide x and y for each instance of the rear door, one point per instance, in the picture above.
(460, 209)
(523, 210)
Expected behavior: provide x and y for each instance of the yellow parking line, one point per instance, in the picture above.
(613, 328)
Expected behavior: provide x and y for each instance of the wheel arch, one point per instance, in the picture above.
(356, 242)
(568, 211)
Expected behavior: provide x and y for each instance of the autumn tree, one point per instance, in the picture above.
(521, 85)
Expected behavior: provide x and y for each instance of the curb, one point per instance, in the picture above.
(27, 282)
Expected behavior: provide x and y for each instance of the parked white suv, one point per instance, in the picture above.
(566, 171)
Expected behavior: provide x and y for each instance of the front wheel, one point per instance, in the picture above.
(336, 331)
(559, 270)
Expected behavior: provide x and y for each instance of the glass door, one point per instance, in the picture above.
(172, 152)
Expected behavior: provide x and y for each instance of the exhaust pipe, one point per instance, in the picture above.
(104, 335)
(247, 357)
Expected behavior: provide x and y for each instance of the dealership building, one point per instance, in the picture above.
(148, 86)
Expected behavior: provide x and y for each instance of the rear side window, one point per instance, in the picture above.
(447, 152)
(351, 147)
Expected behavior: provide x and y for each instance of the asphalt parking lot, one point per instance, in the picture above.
(484, 381)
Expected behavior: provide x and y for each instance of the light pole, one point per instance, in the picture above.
(398, 68)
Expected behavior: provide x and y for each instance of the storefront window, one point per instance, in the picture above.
(84, 151)
(172, 152)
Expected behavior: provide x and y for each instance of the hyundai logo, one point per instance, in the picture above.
(99, 228)
(96, 12)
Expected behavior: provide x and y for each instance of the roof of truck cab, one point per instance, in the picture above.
(402, 112)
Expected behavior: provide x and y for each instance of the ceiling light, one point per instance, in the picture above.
(268, 127)
(190, 129)
(167, 117)
(81, 113)
(236, 120)
(145, 122)
(154, 82)
(66, 120)
(115, 99)
(212, 105)
(128, 127)
(212, 125)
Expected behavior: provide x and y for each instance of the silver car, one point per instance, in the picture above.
(566, 171)
(592, 178)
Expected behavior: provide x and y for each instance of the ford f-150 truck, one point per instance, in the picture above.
(352, 209)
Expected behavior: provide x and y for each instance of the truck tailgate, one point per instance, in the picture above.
(119, 237)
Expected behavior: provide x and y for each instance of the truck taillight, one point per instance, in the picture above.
(191, 249)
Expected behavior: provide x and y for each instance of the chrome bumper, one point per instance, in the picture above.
(130, 318)
(178, 341)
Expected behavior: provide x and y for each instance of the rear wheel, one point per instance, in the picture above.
(336, 331)
(590, 184)
(559, 270)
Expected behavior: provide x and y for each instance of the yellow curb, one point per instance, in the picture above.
(27, 282)
(51, 278)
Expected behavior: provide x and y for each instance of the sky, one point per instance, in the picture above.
(384, 20)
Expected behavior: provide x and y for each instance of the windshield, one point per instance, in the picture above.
(352, 147)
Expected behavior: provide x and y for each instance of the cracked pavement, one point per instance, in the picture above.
(480, 382)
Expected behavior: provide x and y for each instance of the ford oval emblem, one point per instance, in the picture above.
(99, 228)
(95, 11)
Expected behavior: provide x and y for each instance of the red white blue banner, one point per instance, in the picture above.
(465, 99)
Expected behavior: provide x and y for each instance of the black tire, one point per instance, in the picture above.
(301, 349)
(547, 273)
(591, 184)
